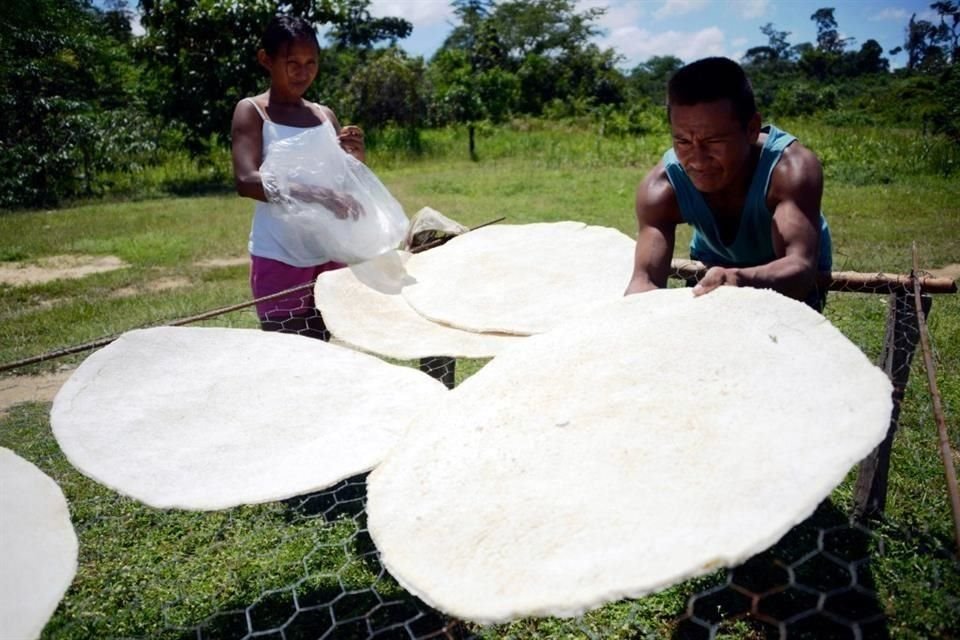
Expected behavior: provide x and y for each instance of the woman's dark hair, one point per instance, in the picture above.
(285, 29)
(709, 80)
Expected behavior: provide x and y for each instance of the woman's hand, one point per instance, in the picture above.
(343, 205)
(351, 141)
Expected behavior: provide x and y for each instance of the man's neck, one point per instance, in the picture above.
(728, 203)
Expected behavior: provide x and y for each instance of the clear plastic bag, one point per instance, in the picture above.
(428, 228)
(333, 196)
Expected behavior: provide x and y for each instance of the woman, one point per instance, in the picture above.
(281, 257)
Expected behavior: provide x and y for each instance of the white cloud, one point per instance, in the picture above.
(420, 13)
(136, 28)
(638, 45)
(617, 13)
(751, 8)
(739, 42)
(890, 14)
(679, 7)
(902, 15)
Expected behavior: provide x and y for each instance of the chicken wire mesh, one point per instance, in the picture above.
(307, 568)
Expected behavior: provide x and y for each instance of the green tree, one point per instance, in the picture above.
(201, 54)
(773, 66)
(545, 45)
(649, 79)
(355, 28)
(472, 14)
(200, 58)
(828, 38)
(775, 53)
(948, 31)
(923, 50)
(468, 75)
(825, 61)
(388, 90)
(930, 47)
(67, 90)
(870, 60)
(544, 27)
(465, 94)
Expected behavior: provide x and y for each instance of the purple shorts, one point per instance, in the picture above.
(272, 276)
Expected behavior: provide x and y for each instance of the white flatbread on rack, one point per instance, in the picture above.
(670, 436)
(206, 418)
(519, 279)
(38, 548)
(362, 307)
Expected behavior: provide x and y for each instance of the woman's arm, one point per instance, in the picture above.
(247, 135)
(246, 149)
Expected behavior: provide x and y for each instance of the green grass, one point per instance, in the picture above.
(149, 573)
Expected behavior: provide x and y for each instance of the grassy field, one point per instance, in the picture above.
(307, 564)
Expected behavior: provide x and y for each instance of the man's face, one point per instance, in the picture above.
(711, 144)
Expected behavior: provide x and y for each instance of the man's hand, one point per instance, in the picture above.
(351, 141)
(717, 277)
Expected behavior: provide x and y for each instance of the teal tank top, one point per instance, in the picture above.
(753, 244)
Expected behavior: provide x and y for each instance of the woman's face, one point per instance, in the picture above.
(293, 68)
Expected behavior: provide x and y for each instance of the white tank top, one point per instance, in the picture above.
(275, 235)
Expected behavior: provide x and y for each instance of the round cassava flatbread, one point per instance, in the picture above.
(205, 418)
(657, 438)
(38, 547)
(362, 307)
(519, 279)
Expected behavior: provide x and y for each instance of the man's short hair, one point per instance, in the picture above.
(709, 80)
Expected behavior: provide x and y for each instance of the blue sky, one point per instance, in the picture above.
(689, 29)
(692, 29)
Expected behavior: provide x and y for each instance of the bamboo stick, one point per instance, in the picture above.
(943, 437)
(849, 281)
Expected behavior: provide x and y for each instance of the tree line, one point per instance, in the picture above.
(83, 96)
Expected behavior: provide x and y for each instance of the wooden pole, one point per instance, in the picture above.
(850, 281)
(899, 345)
(942, 435)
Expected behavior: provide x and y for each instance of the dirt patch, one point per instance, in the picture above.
(57, 268)
(223, 262)
(160, 284)
(62, 267)
(39, 388)
(950, 271)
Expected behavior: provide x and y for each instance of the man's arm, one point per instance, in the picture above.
(796, 189)
(657, 220)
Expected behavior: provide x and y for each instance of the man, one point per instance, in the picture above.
(752, 194)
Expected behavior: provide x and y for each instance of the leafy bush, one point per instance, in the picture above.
(801, 99)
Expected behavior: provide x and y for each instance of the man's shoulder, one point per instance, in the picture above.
(797, 152)
(797, 177)
(798, 167)
(656, 198)
(656, 186)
